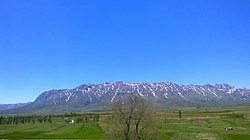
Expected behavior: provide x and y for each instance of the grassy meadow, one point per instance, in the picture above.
(194, 123)
(207, 125)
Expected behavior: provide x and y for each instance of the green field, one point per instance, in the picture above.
(75, 131)
(207, 124)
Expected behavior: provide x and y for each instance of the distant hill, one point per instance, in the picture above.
(100, 96)
(12, 106)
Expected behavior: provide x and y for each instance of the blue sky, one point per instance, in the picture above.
(57, 44)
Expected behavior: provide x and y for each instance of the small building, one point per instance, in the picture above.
(72, 121)
(228, 128)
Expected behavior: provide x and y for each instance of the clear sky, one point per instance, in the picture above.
(53, 44)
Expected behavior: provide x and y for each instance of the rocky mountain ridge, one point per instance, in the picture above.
(164, 90)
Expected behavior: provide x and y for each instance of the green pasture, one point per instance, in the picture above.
(195, 124)
(206, 125)
(51, 131)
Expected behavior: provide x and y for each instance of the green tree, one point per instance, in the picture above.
(180, 114)
(1, 120)
(50, 119)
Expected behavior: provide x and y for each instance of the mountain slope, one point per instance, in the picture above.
(100, 96)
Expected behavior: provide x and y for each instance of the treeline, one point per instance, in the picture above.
(81, 118)
(67, 117)
(25, 119)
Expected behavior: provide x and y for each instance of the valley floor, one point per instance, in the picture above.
(200, 124)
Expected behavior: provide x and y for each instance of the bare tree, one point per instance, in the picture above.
(133, 119)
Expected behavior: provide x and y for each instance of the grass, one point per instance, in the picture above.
(196, 124)
(200, 125)
(54, 131)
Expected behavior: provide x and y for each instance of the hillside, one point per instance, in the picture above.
(100, 96)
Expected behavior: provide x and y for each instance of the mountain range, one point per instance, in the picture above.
(95, 97)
